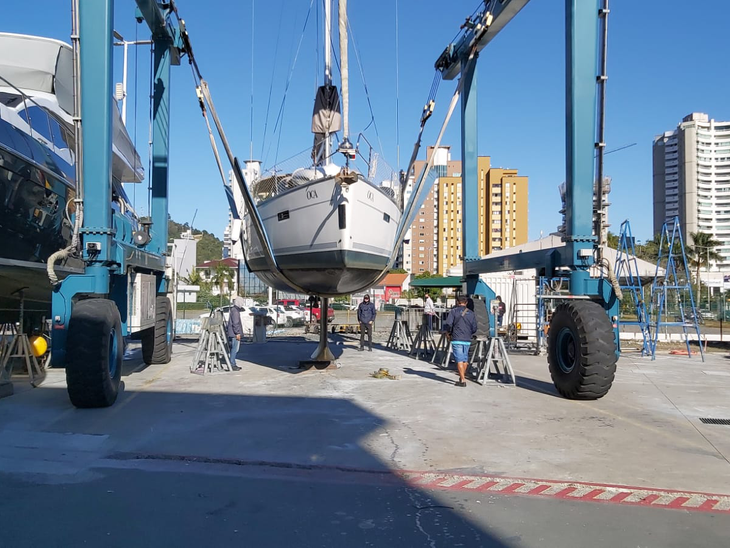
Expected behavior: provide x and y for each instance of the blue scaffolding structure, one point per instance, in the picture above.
(627, 273)
(669, 285)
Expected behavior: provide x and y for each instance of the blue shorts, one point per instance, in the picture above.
(460, 351)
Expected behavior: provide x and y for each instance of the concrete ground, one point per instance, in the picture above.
(275, 456)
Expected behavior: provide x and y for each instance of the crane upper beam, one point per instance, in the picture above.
(479, 30)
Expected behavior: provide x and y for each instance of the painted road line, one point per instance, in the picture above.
(580, 491)
(565, 490)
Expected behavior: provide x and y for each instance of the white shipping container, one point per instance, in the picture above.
(520, 288)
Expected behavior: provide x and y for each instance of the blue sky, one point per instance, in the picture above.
(665, 61)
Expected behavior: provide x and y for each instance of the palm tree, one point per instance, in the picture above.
(702, 253)
(193, 278)
(222, 275)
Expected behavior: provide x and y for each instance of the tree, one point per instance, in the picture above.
(649, 251)
(194, 278)
(421, 291)
(398, 271)
(222, 275)
(209, 247)
(702, 253)
(612, 240)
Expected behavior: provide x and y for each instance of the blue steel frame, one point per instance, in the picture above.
(661, 286)
(628, 267)
(106, 271)
(582, 23)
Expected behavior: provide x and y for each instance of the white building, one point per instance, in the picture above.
(232, 247)
(184, 254)
(692, 180)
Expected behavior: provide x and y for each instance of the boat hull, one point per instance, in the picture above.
(32, 228)
(328, 239)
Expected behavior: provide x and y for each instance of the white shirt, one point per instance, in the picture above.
(428, 307)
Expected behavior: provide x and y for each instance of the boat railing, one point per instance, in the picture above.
(300, 170)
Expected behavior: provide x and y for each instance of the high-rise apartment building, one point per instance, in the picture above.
(435, 237)
(691, 167)
(421, 253)
(502, 196)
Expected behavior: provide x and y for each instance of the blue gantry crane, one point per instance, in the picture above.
(583, 344)
(123, 288)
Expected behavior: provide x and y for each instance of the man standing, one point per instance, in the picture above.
(235, 330)
(366, 316)
(501, 309)
(461, 324)
(429, 310)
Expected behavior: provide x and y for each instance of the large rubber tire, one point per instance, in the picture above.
(581, 350)
(289, 323)
(94, 353)
(157, 340)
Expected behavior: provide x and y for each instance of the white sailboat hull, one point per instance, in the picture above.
(328, 238)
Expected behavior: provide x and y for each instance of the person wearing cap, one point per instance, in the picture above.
(461, 325)
(235, 329)
(366, 316)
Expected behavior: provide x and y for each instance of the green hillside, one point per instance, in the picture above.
(209, 247)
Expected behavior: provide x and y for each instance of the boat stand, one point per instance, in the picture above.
(400, 335)
(424, 343)
(14, 343)
(322, 357)
(211, 356)
(442, 354)
(492, 363)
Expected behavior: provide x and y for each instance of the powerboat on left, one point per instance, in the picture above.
(37, 169)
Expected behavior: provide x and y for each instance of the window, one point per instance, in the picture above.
(38, 120)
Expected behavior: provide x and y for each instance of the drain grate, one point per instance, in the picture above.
(705, 420)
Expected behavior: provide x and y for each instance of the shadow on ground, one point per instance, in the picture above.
(192, 469)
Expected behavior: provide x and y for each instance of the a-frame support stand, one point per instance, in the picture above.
(627, 273)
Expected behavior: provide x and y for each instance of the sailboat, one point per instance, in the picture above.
(331, 228)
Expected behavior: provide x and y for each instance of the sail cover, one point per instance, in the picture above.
(326, 118)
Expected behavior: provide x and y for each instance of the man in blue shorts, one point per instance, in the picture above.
(461, 324)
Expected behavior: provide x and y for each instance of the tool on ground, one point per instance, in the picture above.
(383, 373)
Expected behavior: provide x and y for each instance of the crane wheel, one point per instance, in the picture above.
(581, 350)
(157, 340)
(94, 353)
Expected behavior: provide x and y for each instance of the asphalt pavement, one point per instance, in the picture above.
(276, 456)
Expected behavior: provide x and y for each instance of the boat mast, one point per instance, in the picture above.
(327, 66)
(345, 146)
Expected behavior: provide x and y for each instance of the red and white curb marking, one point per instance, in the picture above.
(616, 494)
